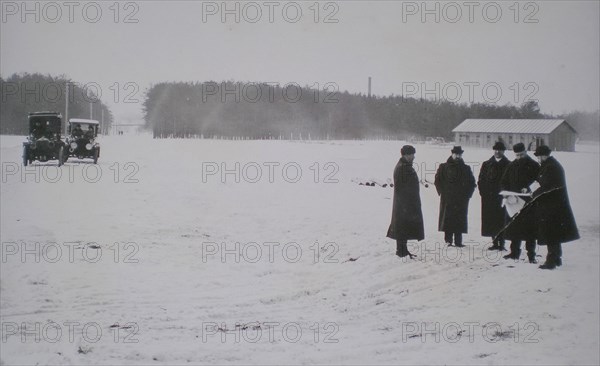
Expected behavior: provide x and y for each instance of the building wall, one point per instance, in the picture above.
(562, 139)
(487, 140)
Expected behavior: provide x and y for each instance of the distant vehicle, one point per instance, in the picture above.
(44, 141)
(435, 140)
(81, 142)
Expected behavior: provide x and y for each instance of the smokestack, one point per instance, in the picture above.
(369, 87)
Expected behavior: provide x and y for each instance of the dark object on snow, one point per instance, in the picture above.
(407, 218)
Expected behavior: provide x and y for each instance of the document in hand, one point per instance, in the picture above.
(513, 202)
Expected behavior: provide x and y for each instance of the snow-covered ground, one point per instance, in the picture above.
(135, 261)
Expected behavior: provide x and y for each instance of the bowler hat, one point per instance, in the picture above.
(519, 147)
(457, 150)
(542, 150)
(407, 150)
(499, 145)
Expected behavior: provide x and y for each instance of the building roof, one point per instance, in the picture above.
(81, 120)
(540, 126)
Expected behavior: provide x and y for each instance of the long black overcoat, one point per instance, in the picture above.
(519, 174)
(407, 218)
(555, 220)
(455, 183)
(488, 183)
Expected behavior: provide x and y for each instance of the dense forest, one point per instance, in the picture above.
(24, 93)
(265, 111)
(261, 111)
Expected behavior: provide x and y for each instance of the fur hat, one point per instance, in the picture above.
(499, 145)
(519, 147)
(542, 150)
(407, 150)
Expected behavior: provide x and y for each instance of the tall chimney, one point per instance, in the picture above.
(369, 87)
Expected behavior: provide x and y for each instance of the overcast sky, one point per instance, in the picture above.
(546, 50)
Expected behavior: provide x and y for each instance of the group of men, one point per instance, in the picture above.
(78, 132)
(547, 219)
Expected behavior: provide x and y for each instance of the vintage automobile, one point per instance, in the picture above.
(44, 141)
(82, 139)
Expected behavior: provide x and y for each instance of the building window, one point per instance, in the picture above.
(488, 139)
(510, 140)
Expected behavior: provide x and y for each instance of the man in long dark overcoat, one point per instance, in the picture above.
(555, 220)
(518, 176)
(455, 184)
(488, 183)
(407, 218)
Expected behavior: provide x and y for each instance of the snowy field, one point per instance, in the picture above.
(154, 257)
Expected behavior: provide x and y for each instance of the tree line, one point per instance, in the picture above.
(24, 93)
(235, 110)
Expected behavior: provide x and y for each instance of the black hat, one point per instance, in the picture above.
(542, 150)
(457, 150)
(499, 145)
(407, 150)
(520, 147)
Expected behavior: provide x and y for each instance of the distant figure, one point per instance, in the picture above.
(89, 134)
(554, 217)
(407, 218)
(38, 130)
(455, 184)
(518, 176)
(77, 131)
(488, 183)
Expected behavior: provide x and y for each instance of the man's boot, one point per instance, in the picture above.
(515, 250)
(402, 249)
(549, 264)
(448, 238)
(497, 245)
(458, 240)
(532, 258)
(530, 246)
(553, 258)
(501, 246)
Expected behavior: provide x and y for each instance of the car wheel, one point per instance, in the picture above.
(25, 160)
(96, 155)
(61, 156)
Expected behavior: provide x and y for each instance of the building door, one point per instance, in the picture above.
(539, 141)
